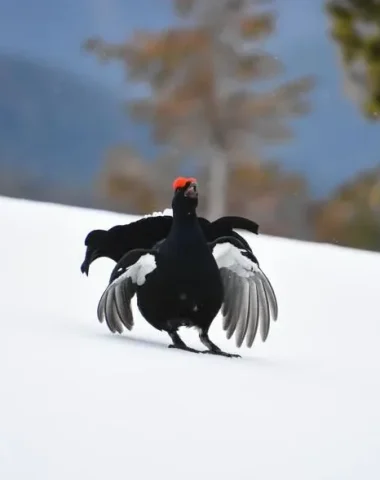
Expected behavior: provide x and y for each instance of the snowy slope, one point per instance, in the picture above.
(77, 402)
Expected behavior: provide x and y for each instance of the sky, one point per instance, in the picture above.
(54, 30)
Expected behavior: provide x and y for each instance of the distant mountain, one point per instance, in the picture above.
(57, 126)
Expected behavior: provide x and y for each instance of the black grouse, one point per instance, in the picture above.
(150, 230)
(185, 280)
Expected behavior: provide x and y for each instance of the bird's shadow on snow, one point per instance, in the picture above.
(138, 341)
(133, 341)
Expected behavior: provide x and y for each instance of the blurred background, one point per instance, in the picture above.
(273, 105)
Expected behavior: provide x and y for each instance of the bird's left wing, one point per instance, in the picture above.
(249, 298)
(128, 275)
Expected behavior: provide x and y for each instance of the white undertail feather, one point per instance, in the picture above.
(167, 212)
(249, 298)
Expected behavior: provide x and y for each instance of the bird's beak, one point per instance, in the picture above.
(191, 191)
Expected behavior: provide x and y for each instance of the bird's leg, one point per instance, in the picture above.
(212, 348)
(179, 343)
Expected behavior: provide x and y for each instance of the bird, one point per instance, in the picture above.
(185, 280)
(152, 229)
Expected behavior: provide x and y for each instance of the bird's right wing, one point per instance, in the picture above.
(249, 299)
(130, 273)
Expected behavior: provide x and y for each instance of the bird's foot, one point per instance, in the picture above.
(222, 354)
(213, 349)
(185, 348)
(180, 344)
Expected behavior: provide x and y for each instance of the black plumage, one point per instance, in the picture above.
(182, 278)
(149, 231)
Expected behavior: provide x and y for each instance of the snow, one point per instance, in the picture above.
(78, 402)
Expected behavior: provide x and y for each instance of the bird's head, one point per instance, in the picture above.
(185, 198)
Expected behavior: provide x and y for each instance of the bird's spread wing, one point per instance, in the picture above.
(130, 273)
(249, 299)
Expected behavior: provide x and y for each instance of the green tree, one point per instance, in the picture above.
(201, 100)
(355, 27)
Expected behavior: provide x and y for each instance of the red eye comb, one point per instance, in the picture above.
(182, 181)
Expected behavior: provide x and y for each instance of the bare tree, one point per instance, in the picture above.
(201, 75)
